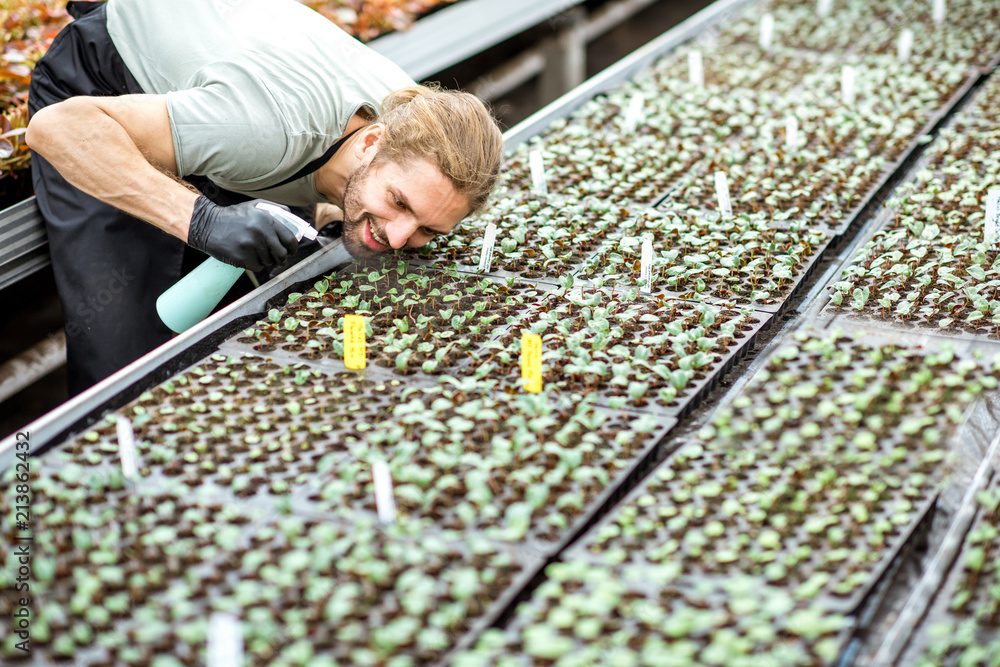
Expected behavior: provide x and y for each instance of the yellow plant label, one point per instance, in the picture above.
(354, 341)
(531, 362)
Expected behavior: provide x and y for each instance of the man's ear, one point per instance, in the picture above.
(369, 142)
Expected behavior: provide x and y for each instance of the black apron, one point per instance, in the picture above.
(109, 266)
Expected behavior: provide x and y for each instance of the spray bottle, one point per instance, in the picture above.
(193, 298)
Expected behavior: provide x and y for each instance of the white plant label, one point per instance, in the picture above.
(722, 194)
(646, 267)
(225, 641)
(991, 226)
(766, 31)
(634, 113)
(791, 134)
(126, 448)
(824, 7)
(939, 11)
(905, 46)
(847, 85)
(385, 503)
(489, 242)
(538, 180)
(696, 69)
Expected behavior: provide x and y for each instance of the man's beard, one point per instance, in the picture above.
(354, 219)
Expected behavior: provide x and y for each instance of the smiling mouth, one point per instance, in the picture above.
(373, 239)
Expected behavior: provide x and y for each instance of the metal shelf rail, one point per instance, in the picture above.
(24, 246)
(460, 31)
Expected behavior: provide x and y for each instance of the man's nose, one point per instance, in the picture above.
(399, 230)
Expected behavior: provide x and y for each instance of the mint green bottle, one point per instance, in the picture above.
(193, 298)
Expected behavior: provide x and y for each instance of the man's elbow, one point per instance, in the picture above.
(48, 124)
(39, 132)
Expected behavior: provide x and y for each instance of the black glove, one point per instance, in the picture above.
(241, 235)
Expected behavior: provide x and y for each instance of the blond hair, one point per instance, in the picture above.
(452, 129)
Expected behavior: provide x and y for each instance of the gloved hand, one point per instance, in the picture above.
(241, 235)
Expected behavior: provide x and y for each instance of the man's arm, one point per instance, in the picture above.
(119, 150)
(327, 213)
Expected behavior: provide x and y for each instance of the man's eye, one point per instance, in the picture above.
(399, 202)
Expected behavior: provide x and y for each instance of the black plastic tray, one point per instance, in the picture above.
(707, 462)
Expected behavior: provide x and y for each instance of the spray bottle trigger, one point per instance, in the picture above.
(301, 228)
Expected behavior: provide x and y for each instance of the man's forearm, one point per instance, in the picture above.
(94, 152)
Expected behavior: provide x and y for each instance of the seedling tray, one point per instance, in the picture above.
(540, 541)
(586, 614)
(243, 427)
(948, 319)
(257, 433)
(643, 353)
(815, 583)
(509, 482)
(302, 587)
(429, 323)
(496, 355)
(737, 68)
(760, 152)
(873, 187)
(538, 238)
(967, 35)
(587, 162)
(800, 27)
(924, 233)
(848, 497)
(700, 249)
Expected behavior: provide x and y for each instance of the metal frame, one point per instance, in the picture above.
(165, 359)
(24, 245)
(455, 33)
(621, 71)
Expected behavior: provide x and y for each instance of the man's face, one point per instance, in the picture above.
(389, 206)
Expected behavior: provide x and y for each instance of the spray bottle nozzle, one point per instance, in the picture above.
(301, 228)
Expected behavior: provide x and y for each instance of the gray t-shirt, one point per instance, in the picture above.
(256, 89)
